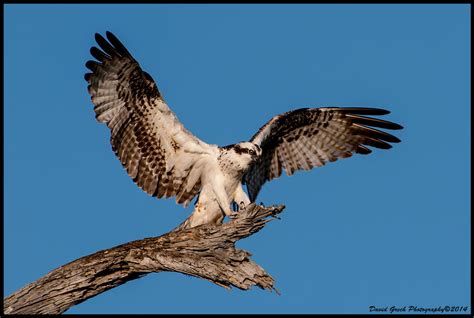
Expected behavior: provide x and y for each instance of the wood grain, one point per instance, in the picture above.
(207, 251)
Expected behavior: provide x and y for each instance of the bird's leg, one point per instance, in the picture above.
(241, 199)
(223, 201)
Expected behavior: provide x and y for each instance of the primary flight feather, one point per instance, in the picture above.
(164, 159)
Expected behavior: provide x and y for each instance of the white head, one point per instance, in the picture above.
(242, 153)
(248, 150)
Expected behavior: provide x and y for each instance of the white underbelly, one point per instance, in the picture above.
(207, 209)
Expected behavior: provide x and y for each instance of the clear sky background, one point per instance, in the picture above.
(388, 229)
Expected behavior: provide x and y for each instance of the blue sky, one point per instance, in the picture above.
(388, 229)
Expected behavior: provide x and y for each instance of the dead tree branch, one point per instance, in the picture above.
(206, 251)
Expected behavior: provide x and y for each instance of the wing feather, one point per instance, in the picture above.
(310, 137)
(146, 135)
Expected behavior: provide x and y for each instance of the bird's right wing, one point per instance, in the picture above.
(159, 154)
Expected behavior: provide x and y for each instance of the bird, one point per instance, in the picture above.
(166, 160)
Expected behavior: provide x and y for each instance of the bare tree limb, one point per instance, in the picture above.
(207, 251)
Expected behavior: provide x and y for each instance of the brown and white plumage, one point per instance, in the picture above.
(310, 137)
(166, 160)
(159, 154)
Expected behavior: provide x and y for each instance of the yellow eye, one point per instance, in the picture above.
(252, 152)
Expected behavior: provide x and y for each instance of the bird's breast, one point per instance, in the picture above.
(231, 169)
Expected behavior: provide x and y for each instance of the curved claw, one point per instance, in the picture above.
(233, 215)
(235, 206)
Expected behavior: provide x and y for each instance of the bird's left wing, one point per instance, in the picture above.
(159, 154)
(310, 137)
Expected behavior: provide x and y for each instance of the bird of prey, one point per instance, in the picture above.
(164, 159)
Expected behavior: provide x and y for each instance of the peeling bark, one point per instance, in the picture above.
(207, 251)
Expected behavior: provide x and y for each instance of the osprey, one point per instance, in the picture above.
(164, 159)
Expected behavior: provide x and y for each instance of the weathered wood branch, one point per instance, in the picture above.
(206, 251)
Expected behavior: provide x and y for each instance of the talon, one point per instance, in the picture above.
(233, 215)
(262, 205)
(242, 205)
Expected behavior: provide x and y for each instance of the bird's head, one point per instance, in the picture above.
(243, 153)
(248, 150)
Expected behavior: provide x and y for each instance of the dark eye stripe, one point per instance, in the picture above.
(240, 150)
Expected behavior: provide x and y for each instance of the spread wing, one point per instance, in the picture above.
(310, 137)
(159, 154)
